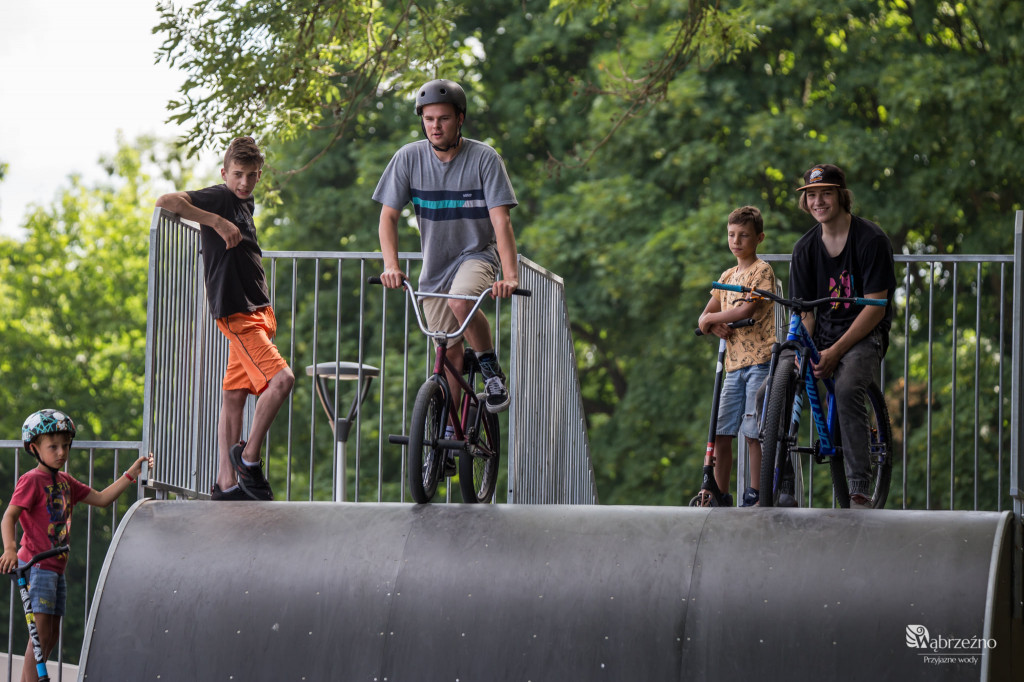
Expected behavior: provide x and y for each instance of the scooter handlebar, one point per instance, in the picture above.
(745, 322)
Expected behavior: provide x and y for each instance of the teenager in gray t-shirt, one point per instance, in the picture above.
(462, 197)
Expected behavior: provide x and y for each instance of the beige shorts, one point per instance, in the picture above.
(473, 276)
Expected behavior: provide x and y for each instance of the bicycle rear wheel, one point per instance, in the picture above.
(881, 449)
(775, 443)
(478, 464)
(424, 458)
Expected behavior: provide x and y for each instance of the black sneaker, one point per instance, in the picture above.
(234, 494)
(250, 478)
(750, 498)
(494, 383)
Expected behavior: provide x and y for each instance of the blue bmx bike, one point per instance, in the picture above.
(783, 403)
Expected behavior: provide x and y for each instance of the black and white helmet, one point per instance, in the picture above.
(438, 92)
(46, 421)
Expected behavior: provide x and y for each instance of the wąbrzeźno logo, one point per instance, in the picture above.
(918, 637)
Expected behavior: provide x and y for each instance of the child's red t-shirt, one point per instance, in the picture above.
(46, 514)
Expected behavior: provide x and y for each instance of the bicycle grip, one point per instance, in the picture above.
(377, 280)
(872, 301)
(522, 292)
(727, 287)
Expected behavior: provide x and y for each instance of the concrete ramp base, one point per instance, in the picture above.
(393, 592)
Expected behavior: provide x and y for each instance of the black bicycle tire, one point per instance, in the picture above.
(774, 447)
(881, 446)
(478, 476)
(423, 462)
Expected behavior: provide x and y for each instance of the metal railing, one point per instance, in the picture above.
(550, 427)
(332, 326)
(105, 462)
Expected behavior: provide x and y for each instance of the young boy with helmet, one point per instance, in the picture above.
(42, 502)
(462, 196)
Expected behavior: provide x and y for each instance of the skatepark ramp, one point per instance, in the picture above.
(195, 590)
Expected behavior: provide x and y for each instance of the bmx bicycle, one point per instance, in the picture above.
(783, 402)
(476, 439)
(710, 495)
(20, 576)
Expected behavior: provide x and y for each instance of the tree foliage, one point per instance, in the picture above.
(298, 66)
(73, 301)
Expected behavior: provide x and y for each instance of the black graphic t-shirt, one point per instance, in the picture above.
(235, 280)
(864, 266)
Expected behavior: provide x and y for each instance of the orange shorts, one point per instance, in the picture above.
(253, 359)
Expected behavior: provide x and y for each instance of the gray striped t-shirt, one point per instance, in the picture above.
(452, 200)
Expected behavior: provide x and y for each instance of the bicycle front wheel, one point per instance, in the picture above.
(775, 443)
(478, 465)
(424, 458)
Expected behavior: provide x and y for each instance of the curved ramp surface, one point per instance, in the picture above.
(320, 591)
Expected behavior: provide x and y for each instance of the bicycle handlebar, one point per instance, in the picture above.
(799, 303)
(440, 336)
(39, 557)
(745, 322)
(517, 292)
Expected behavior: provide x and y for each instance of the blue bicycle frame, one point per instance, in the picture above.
(799, 340)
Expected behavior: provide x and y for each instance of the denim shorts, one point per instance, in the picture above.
(47, 590)
(737, 406)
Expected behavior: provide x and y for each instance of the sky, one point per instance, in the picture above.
(73, 74)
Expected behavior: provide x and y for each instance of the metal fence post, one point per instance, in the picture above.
(1017, 374)
(1016, 378)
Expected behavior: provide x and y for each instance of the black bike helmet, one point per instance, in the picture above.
(438, 92)
(45, 421)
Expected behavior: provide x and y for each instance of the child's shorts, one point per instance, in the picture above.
(253, 359)
(737, 408)
(47, 590)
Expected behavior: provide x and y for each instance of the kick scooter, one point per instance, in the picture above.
(710, 495)
(20, 576)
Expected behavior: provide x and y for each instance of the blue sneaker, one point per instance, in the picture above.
(750, 498)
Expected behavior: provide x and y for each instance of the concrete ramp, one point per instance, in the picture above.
(393, 592)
